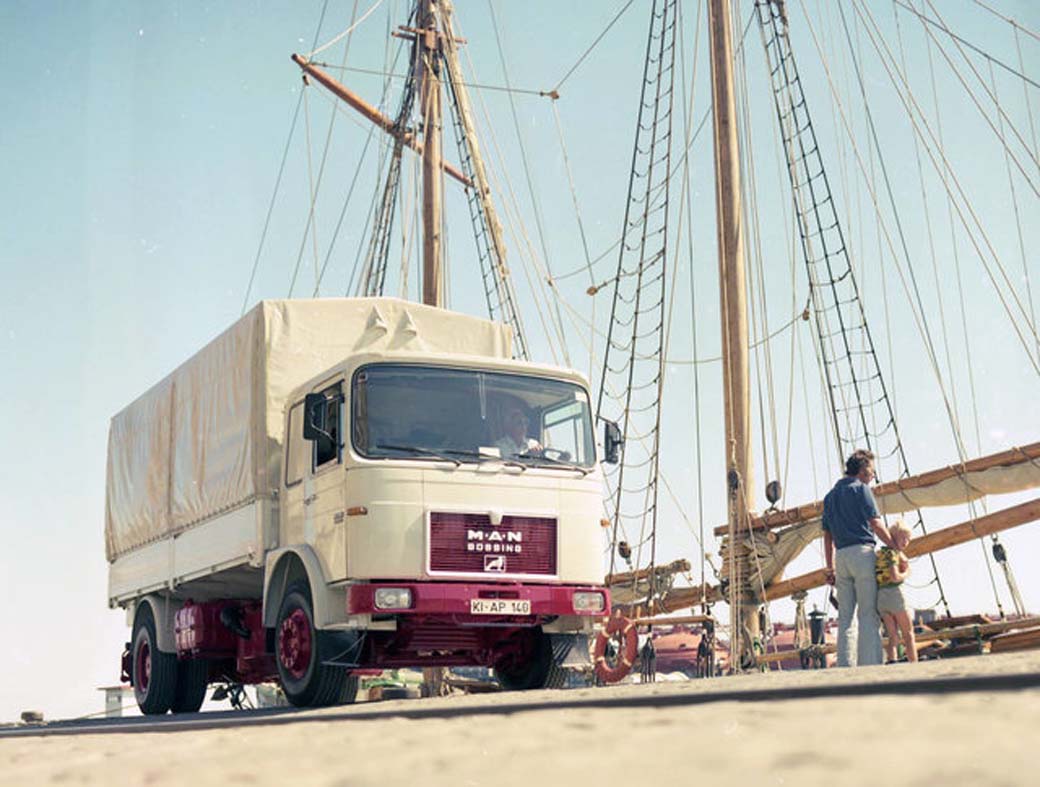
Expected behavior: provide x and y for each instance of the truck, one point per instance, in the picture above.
(340, 485)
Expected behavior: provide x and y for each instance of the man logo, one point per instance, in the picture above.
(494, 562)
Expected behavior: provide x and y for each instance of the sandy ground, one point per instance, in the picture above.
(690, 733)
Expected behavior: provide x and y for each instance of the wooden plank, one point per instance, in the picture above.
(923, 545)
(959, 620)
(670, 621)
(961, 632)
(790, 516)
(1016, 640)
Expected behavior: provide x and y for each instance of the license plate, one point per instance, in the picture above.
(500, 606)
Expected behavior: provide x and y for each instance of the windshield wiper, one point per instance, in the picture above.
(556, 462)
(487, 458)
(421, 451)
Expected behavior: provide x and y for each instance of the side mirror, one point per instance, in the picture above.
(312, 405)
(612, 442)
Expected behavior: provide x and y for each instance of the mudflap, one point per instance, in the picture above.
(570, 650)
(126, 665)
(340, 648)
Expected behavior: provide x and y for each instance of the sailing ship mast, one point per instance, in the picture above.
(429, 65)
(732, 290)
(436, 64)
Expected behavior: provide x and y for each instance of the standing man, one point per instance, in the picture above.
(850, 522)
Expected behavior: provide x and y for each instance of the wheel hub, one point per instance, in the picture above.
(143, 667)
(294, 643)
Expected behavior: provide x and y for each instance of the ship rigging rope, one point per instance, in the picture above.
(1010, 20)
(953, 419)
(515, 226)
(972, 511)
(338, 107)
(315, 185)
(592, 46)
(946, 175)
(1015, 322)
(530, 183)
(791, 108)
(996, 105)
(942, 26)
(346, 32)
(475, 86)
(687, 202)
(1018, 223)
(310, 180)
(692, 138)
(581, 226)
(278, 179)
(765, 393)
(925, 330)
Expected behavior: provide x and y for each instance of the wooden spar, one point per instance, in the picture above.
(675, 567)
(430, 102)
(733, 300)
(924, 637)
(659, 621)
(352, 99)
(1014, 456)
(933, 542)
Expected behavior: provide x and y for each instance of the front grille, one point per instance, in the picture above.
(470, 544)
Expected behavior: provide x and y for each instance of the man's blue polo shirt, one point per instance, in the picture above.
(847, 511)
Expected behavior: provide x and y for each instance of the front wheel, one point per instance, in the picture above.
(530, 665)
(307, 682)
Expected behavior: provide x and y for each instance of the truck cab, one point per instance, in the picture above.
(446, 510)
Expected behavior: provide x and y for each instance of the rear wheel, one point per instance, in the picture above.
(154, 672)
(306, 681)
(192, 680)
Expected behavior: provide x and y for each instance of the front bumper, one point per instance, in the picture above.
(453, 598)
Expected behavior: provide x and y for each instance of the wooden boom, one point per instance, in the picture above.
(1014, 456)
(933, 542)
(682, 598)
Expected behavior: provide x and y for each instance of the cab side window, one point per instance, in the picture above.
(327, 448)
(298, 450)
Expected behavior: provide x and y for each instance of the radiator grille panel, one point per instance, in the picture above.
(470, 544)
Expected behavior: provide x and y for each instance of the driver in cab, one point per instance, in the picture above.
(515, 441)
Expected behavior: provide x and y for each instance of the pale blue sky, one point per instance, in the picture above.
(140, 147)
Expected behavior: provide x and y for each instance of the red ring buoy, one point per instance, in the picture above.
(626, 629)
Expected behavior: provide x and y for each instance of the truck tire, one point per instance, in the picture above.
(154, 672)
(192, 681)
(533, 669)
(307, 682)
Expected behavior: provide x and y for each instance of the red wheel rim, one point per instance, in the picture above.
(294, 643)
(143, 666)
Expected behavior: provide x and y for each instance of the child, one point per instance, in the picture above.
(892, 569)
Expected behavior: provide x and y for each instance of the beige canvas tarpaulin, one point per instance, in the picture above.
(208, 437)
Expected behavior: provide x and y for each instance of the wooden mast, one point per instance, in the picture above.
(429, 65)
(742, 600)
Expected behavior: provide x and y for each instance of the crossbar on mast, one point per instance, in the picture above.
(368, 111)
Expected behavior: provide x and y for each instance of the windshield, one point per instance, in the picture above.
(466, 415)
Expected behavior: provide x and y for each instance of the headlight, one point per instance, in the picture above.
(393, 598)
(585, 601)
